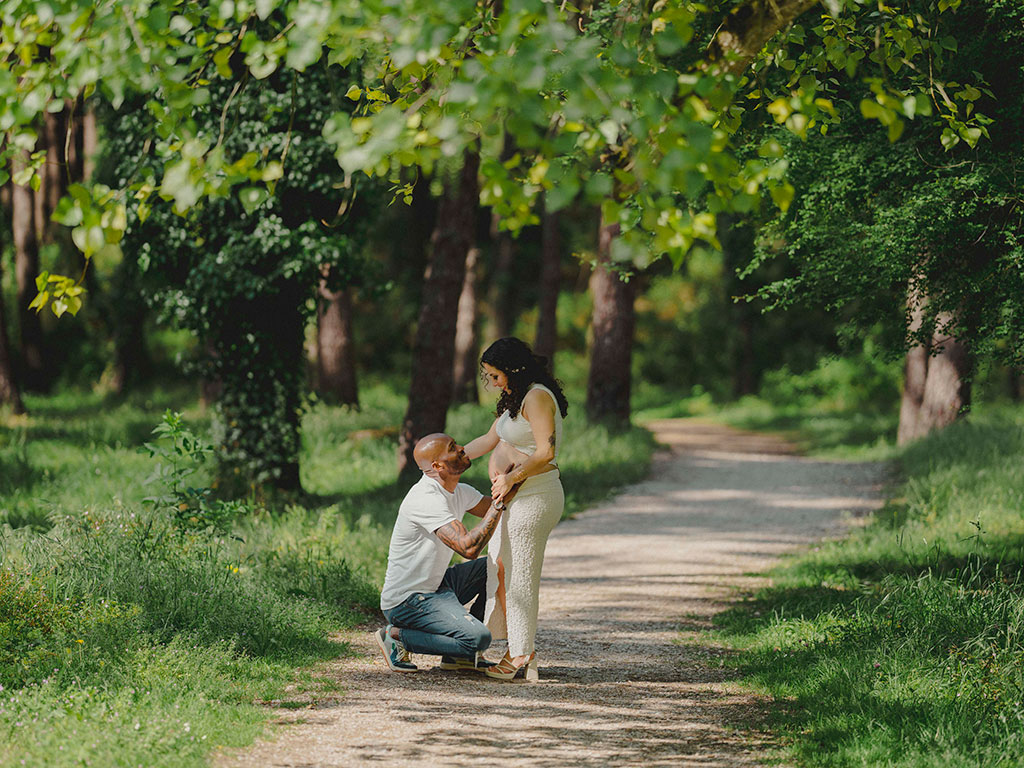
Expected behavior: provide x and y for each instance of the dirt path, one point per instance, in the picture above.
(623, 584)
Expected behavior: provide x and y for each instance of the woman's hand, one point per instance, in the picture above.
(505, 483)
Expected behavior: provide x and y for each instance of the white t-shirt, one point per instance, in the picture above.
(417, 559)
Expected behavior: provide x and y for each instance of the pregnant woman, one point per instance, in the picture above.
(525, 438)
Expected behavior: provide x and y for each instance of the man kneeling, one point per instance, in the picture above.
(422, 598)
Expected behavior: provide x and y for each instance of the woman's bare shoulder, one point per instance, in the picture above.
(539, 397)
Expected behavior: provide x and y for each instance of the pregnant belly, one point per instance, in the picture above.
(504, 457)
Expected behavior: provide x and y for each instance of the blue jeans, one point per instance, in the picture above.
(437, 623)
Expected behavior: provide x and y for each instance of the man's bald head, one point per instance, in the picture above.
(429, 449)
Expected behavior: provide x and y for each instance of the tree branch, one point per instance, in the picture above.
(746, 29)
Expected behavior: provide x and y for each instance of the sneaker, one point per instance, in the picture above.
(458, 662)
(397, 658)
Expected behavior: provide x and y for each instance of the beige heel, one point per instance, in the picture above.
(506, 670)
(532, 673)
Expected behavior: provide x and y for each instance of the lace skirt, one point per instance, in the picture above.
(523, 532)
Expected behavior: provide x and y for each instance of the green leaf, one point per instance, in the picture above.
(40, 300)
(561, 194)
(872, 110)
(782, 195)
(253, 197)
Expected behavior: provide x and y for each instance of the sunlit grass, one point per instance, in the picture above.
(124, 640)
(903, 644)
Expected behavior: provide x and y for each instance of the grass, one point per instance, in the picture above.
(903, 644)
(845, 408)
(127, 641)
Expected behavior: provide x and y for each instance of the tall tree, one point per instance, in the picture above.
(26, 268)
(9, 392)
(335, 345)
(430, 390)
(915, 372)
(611, 350)
(546, 339)
(467, 342)
(239, 272)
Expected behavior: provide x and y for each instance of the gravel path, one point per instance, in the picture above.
(625, 586)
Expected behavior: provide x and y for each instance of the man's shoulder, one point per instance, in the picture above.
(425, 497)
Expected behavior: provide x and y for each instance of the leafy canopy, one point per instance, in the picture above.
(632, 104)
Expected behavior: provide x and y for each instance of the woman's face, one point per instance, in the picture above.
(494, 378)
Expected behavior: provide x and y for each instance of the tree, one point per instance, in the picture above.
(26, 268)
(241, 273)
(335, 345)
(611, 351)
(638, 113)
(467, 342)
(546, 339)
(430, 390)
(9, 392)
(916, 224)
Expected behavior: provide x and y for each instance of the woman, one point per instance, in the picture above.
(525, 438)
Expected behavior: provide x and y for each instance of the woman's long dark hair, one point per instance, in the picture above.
(516, 360)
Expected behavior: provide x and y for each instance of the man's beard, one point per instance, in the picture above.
(459, 465)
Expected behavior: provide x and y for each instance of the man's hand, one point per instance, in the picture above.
(470, 543)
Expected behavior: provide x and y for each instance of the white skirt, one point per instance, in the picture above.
(524, 530)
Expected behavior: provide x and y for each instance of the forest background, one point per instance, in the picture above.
(289, 324)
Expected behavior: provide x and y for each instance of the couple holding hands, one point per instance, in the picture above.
(423, 598)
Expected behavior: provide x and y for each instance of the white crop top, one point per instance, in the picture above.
(518, 433)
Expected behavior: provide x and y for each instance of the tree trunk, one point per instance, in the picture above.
(1015, 382)
(500, 291)
(915, 374)
(430, 390)
(947, 389)
(608, 383)
(126, 322)
(464, 374)
(89, 144)
(335, 346)
(9, 394)
(26, 268)
(500, 301)
(550, 277)
(737, 238)
(936, 376)
(53, 176)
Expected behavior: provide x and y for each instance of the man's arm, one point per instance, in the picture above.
(469, 543)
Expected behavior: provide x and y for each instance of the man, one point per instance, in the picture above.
(422, 598)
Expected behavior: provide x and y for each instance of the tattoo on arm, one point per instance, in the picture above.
(551, 440)
(469, 543)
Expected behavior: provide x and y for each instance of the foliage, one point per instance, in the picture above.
(901, 644)
(890, 224)
(190, 507)
(618, 101)
(241, 273)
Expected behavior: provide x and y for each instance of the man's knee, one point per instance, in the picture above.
(475, 637)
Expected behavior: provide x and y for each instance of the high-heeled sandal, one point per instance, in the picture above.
(506, 669)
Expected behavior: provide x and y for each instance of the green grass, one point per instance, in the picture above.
(903, 644)
(125, 641)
